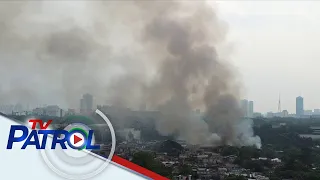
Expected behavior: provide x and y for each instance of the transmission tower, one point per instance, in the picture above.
(279, 105)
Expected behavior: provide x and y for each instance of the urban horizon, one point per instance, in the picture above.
(86, 105)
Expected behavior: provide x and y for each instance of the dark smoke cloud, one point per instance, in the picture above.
(163, 54)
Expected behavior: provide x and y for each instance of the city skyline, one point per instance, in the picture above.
(87, 105)
(299, 107)
(275, 50)
(287, 104)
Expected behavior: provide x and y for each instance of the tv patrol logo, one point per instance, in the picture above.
(67, 152)
(76, 138)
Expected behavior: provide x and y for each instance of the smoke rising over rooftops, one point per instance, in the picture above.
(162, 54)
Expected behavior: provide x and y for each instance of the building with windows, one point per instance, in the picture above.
(86, 104)
(299, 106)
(247, 108)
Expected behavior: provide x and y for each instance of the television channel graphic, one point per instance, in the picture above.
(77, 161)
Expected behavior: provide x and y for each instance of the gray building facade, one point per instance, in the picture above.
(244, 107)
(86, 103)
(299, 106)
(250, 109)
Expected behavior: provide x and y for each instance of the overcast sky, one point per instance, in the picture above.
(276, 48)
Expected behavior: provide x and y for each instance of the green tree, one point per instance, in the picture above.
(148, 161)
(185, 170)
(229, 150)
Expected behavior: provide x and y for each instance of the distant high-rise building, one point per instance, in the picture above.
(86, 103)
(250, 109)
(299, 106)
(244, 107)
(285, 113)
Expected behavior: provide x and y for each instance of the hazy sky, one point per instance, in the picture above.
(276, 48)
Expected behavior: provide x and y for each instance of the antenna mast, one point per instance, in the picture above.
(279, 105)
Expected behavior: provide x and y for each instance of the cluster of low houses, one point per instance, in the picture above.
(209, 165)
(204, 164)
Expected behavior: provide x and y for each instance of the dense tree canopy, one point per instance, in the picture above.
(147, 160)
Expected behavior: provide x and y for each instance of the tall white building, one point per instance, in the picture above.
(250, 109)
(244, 107)
(86, 103)
(299, 106)
(247, 108)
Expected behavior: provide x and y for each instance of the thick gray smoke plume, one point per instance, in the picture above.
(163, 54)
